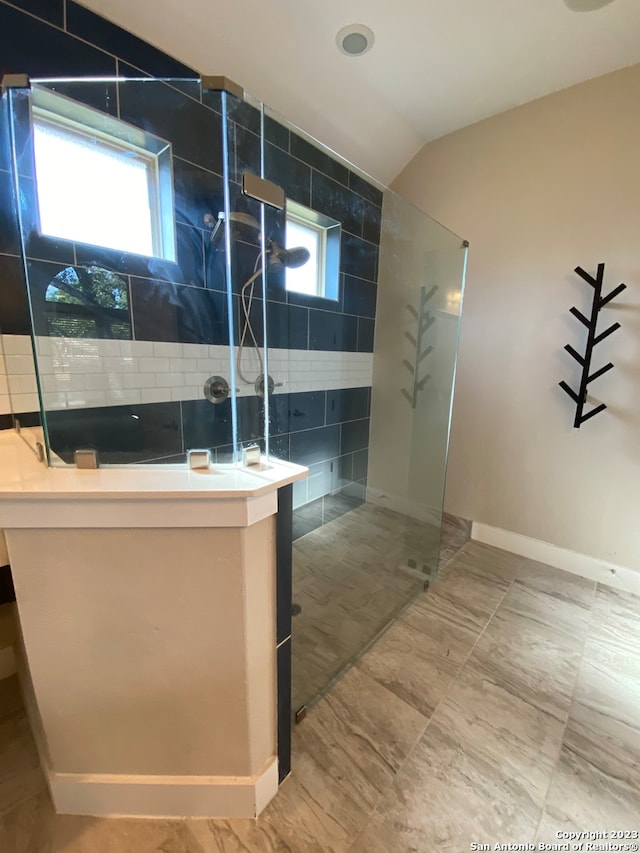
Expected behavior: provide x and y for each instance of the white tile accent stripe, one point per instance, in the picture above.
(17, 376)
(5, 400)
(84, 372)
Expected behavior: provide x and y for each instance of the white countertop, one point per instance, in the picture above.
(27, 485)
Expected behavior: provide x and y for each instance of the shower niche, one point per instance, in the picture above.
(238, 253)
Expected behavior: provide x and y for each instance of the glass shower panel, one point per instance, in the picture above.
(421, 281)
(128, 289)
(367, 519)
(241, 226)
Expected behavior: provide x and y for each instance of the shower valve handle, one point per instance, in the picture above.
(259, 385)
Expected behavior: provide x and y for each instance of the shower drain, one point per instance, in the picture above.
(295, 609)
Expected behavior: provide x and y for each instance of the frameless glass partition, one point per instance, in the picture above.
(173, 309)
(135, 240)
(363, 315)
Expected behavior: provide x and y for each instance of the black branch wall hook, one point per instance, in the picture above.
(599, 301)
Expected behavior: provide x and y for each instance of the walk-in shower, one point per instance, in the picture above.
(316, 316)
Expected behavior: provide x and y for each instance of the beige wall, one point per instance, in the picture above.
(537, 191)
(151, 652)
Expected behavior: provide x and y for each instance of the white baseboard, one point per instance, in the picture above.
(7, 662)
(601, 571)
(107, 795)
(164, 796)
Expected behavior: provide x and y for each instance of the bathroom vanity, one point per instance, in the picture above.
(147, 606)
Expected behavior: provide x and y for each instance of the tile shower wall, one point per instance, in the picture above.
(170, 329)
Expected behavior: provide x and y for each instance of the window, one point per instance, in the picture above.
(100, 180)
(320, 235)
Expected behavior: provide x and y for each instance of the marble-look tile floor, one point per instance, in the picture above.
(502, 707)
(351, 578)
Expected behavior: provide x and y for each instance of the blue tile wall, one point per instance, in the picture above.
(354, 435)
(328, 431)
(351, 405)
(333, 331)
(184, 301)
(113, 39)
(121, 434)
(320, 161)
(164, 311)
(195, 131)
(309, 175)
(49, 10)
(335, 200)
(9, 236)
(14, 317)
(34, 47)
(296, 175)
(366, 330)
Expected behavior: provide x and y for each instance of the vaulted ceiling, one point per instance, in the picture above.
(436, 65)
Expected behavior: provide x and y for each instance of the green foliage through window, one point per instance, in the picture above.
(88, 302)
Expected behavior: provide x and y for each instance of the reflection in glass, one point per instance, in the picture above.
(87, 303)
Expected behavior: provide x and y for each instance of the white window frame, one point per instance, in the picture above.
(78, 121)
(327, 230)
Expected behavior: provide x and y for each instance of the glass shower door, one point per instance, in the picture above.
(421, 281)
(367, 520)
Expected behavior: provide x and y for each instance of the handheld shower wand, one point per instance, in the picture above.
(277, 257)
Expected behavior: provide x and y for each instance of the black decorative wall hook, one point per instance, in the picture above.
(599, 301)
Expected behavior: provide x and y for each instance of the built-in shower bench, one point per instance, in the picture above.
(147, 609)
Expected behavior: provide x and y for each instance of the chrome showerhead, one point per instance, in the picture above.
(292, 258)
(246, 226)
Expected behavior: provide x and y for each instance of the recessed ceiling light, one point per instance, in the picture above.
(355, 39)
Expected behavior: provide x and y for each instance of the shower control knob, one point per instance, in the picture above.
(259, 385)
(216, 389)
